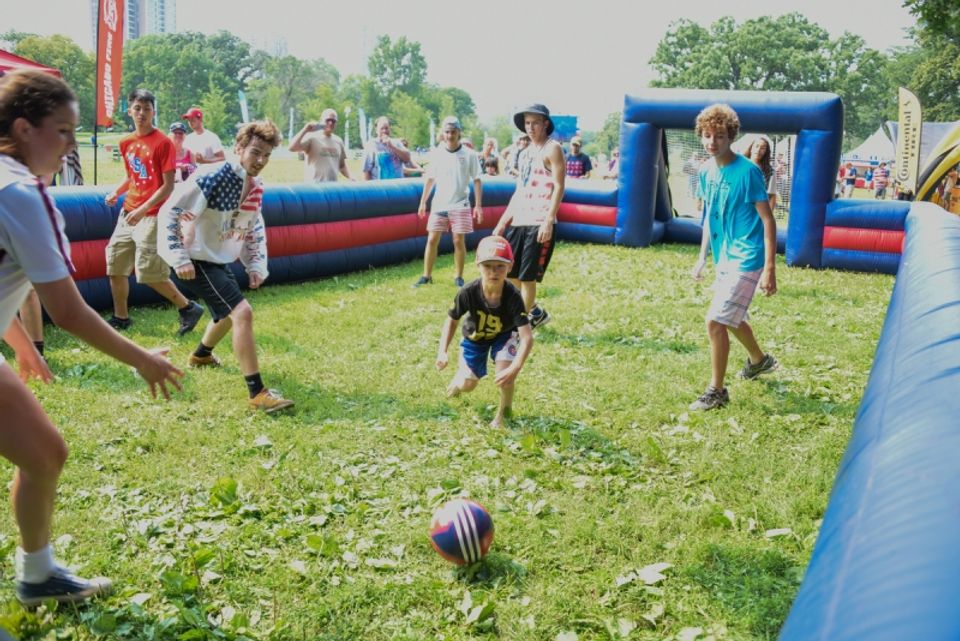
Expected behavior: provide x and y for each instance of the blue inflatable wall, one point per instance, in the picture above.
(886, 565)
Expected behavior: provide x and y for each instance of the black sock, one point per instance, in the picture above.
(39, 346)
(202, 350)
(254, 384)
(183, 310)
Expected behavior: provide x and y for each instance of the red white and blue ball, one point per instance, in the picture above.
(461, 531)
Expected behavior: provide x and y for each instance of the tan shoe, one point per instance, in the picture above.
(203, 361)
(270, 401)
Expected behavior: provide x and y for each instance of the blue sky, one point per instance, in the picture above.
(580, 60)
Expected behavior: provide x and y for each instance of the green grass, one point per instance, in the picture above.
(216, 523)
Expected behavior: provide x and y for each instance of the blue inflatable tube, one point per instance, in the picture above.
(886, 565)
(868, 214)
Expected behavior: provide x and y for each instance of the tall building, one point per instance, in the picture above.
(142, 17)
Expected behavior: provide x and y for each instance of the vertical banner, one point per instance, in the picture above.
(244, 108)
(908, 142)
(109, 58)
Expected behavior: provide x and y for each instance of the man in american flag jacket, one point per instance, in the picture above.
(209, 222)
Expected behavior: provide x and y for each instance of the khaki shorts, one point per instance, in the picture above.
(134, 248)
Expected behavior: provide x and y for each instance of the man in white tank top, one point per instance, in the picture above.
(532, 211)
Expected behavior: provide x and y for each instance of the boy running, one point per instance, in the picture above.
(210, 221)
(451, 167)
(742, 235)
(496, 327)
(150, 162)
(532, 211)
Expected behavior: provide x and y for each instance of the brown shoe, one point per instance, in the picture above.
(270, 401)
(203, 361)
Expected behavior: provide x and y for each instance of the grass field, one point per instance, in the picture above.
(619, 515)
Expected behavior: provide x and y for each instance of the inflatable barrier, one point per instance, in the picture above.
(886, 564)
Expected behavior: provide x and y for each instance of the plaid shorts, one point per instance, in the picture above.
(732, 294)
(458, 221)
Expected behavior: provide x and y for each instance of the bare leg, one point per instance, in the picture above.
(506, 399)
(215, 332)
(169, 291)
(243, 344)
(744, 334)
(430, 252)
(31, 315)
(719, 352)
(461, 383)
(120, 290)
(30, 441)
(459, 253)
(528, 290)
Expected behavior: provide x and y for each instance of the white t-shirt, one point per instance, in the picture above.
(206, 145)
(453, 172)
(33, 245)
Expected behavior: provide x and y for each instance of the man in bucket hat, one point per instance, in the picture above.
(531, 214)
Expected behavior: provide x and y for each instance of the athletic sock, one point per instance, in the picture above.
(34, 567)
(186, 308)
(254, 384)
(39, 346)
(202, 351)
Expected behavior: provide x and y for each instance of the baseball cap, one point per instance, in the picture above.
(494, 248)
(576, 140)
(535, 108)
(178, 126)
(451, 121)
(193, 112)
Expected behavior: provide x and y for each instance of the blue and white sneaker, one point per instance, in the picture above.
(63, 587)
(538, 316)
(458, 281)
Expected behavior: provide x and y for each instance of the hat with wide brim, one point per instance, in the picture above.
(533, 109)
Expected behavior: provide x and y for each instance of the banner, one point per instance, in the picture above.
(244, 108)
(908, 141)
(109, 58)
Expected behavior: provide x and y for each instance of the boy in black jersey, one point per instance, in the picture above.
(497, 327)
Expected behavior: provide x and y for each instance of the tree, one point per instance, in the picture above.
(289, 82)
(609, 136)
(75, 64)
(412, 120)
(937, 17)
(397, 66)
(215, 116)
(930, 70)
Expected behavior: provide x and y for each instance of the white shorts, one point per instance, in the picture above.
(732, 293)
(458, 221)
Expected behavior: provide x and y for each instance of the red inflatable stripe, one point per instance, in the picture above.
(588, 214)
(871, 240)
(89, 258)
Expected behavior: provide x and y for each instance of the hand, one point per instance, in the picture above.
(385, 139)
(697, 272)
(314, 126)
(255, 280)
(546, 232)
(768, 281)
(134, 216)
(31, 365)
(441, 360)
(478, 214)
(111, 199)
(506, 376)
(158, 372)
(422, 211)
(186, 272)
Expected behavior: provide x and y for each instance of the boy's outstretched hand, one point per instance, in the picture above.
(157, 371)
(441, 360)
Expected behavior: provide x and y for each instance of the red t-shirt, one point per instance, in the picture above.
(146, 159)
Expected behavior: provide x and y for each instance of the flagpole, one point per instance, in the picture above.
(96, 92)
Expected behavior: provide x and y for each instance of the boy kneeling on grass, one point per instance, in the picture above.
(497, 325)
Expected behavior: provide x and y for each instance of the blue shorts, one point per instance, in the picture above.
(473, 355)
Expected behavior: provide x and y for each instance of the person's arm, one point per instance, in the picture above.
(508, 375)
(478, 200)
(398, 150)
(446, 335)
(369, 160)
(111, 198)
(768, 278)
(253, 253)
(587, 166)
(30, 364)
(558, 168)
(343, 165)
(427, 188)
(69, 311)
(297, 143)
(158, 197)
(697, 271)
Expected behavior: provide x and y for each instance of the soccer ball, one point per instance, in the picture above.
(461, 531)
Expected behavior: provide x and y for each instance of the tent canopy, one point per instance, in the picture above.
(12, 62)
(876, 148)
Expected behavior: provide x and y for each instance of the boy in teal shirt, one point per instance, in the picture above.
(742, 235)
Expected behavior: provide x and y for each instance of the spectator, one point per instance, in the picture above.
(578, 164)
(202, 143)
(613, 167)
(881, 178)
(849, 180)
(489, 150)
(325, 154)
(411, 168)
(183, 158)
(384, 157)
(759, 152)
(512, 165)
(691, 169)
(491, 166)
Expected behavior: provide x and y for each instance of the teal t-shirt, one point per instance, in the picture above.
(730, 195)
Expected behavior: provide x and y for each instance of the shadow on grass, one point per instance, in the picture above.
(757, 586)
(568, 435)
(495, 569)
(789, 401)
(611, 339)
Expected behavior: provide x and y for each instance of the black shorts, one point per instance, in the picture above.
(530, 257)
(216, 285)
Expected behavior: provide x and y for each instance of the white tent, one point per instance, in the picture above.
(876, 148)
